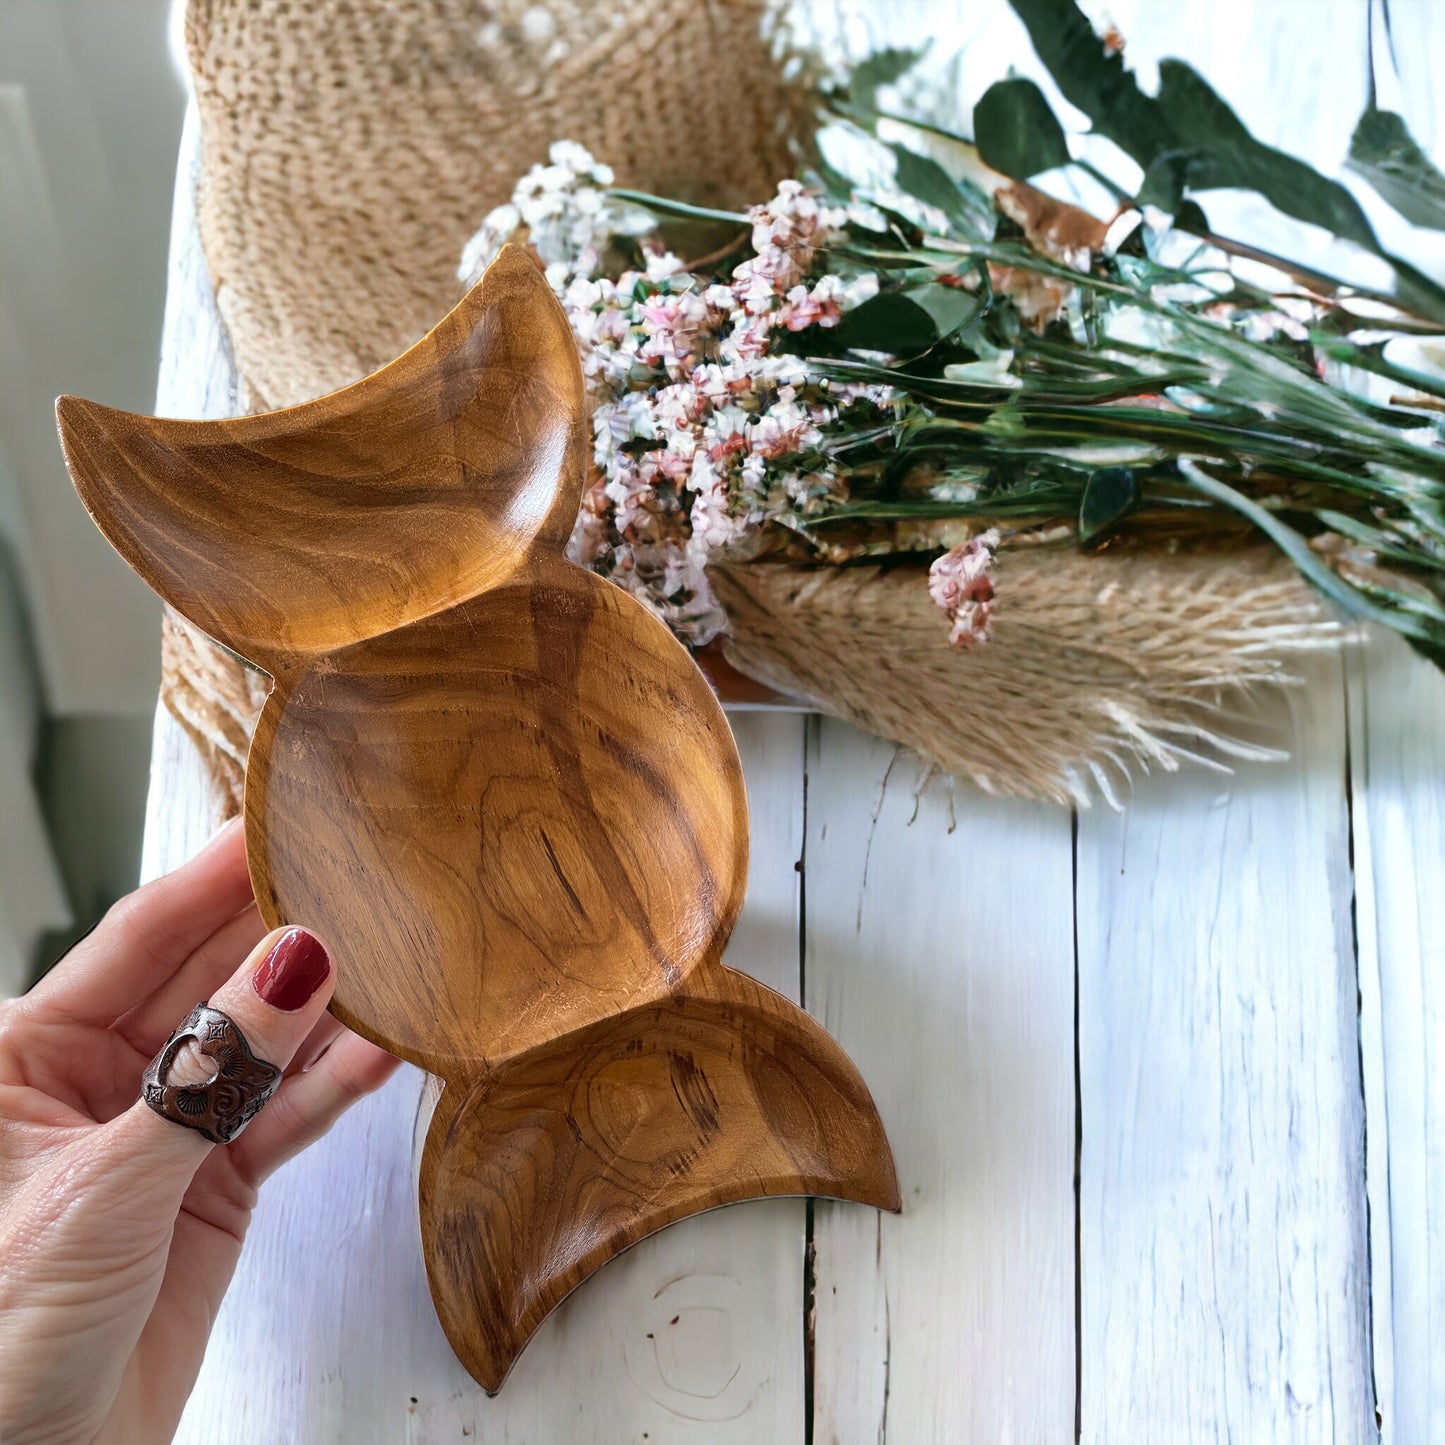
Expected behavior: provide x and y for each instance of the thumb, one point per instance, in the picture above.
(275, 999)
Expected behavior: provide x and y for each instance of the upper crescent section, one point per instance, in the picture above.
(296, 532)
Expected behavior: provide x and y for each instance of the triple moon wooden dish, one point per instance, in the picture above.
(505, 796)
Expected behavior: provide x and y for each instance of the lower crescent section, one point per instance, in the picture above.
(564, 1157)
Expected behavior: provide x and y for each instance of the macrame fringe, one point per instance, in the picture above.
(216, 700)
(1099, 666)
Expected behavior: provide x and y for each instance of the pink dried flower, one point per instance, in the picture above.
(756, 290)
(703, 429)
(713, 526)
(726, 433)
(822, 306)
(717, 384)
(961, 583)
(674, 328)
(784, 428)
(787, 231)
(748, 341)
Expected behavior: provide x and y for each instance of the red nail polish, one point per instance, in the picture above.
(294, 967)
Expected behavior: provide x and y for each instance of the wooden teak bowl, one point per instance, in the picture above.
(505, 796)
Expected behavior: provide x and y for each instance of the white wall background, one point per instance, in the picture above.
(90, 115)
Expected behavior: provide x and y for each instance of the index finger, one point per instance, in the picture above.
(149, 934)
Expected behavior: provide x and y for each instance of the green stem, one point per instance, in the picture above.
(1312, 566)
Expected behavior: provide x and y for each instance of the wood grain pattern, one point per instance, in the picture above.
(579, 863)
(503, 793)
(698, 1100)
(291, 533)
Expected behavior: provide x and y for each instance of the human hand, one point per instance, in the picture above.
(119, 1230)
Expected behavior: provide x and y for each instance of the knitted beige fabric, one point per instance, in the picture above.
(216, 700)
(350, 148)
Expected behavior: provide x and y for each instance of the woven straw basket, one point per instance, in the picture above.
(348, 151)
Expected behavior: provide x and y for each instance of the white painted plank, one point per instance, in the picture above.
(1224, 1265)
(179, 807)
(1397, 733)
(943, 961)
(197, 378)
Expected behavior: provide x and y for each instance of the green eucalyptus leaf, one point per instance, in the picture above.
(666, 206)
(891, 322)
(1214, 150)
(1188, 139)
(1017, 132)
(1093, 78)
(925, 180)
(1110, 494)
(1383, 151)
(1190, 217)
(1167, 179)
(949, 307)
(881, 68)
(1415, 290)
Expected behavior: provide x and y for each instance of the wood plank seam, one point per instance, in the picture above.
(1369, 981)
(954, 1322)
(1372, 1124)
(810, 1283)
(1078, 1147)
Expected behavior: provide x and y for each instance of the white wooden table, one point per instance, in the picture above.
(1166, 1090)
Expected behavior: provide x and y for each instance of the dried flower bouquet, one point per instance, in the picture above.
(885, 364)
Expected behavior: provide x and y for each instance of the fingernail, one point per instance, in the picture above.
(294, 967)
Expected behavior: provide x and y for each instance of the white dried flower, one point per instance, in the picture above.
(702, 430)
